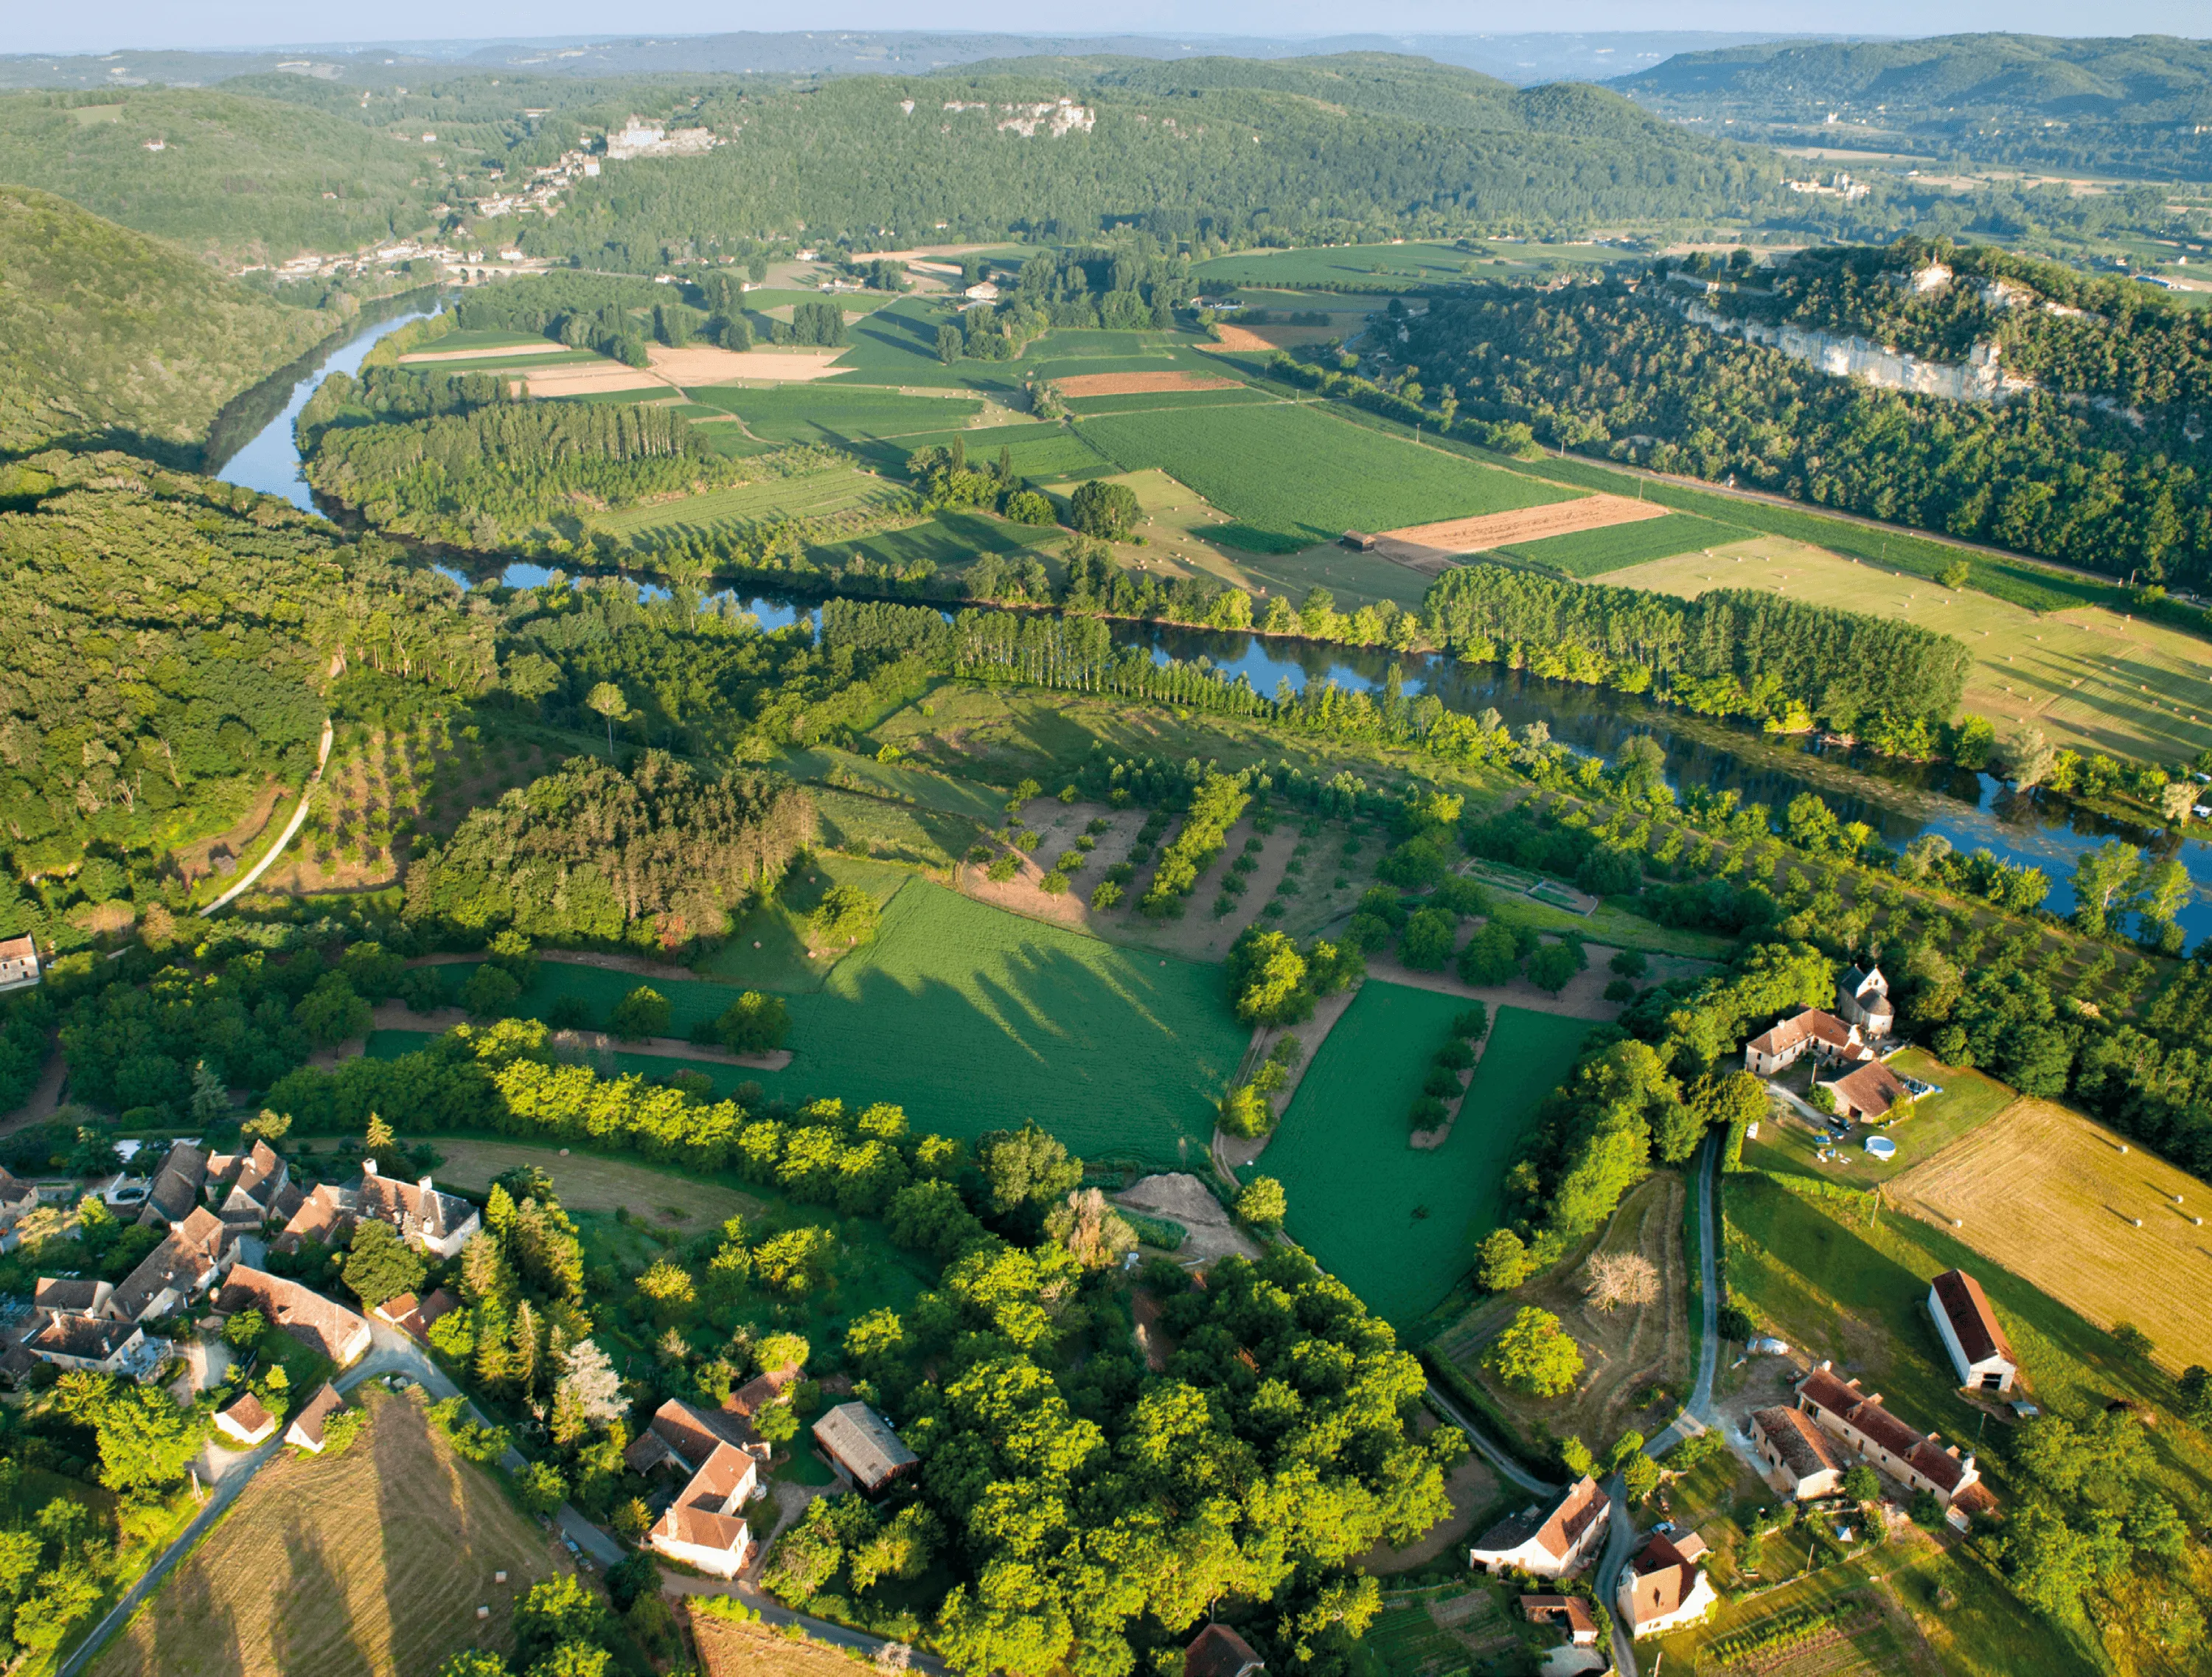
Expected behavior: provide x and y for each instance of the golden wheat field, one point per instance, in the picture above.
(2054, 1198)
(369, 1564)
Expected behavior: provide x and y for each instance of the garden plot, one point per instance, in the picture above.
(1396, 1226)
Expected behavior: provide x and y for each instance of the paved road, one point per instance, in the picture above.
(1492, 1453)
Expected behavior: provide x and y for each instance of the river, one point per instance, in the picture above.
(1900, 801)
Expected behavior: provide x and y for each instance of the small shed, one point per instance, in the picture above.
(1359, 541)
(861, 1445)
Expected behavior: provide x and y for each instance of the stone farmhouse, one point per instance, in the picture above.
(1800, 1459)
(861, 1449)
(1919, 1461)
(430, 1222)
(245, 1189)
(1663, 1588)
(1824, 1035)
(19, 963)
(1862, 998)
(723, 1461)
(176, 1188)
(1970, 1333)
(1546, 1543)
(320, 1322)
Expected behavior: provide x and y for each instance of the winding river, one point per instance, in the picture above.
(1900, 801)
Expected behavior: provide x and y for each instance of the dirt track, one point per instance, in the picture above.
(1528, 524)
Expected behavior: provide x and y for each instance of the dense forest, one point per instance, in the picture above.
(2136, 104)
(597, 854)
(1622, 372)
(112, 339)
(168, 641)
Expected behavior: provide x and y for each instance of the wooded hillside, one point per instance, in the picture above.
(110, 338)
(168, 639)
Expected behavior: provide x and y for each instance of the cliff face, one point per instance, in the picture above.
(1979, 378)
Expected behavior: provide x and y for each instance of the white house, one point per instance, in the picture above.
(1663, 1588)
(307, 1428)
(1922, 1462)
(1862, 998)
(19, 962)
(1980, 1351)
(247, 1421)
(92, 1342)
(1546, 1543)
(705, 1525)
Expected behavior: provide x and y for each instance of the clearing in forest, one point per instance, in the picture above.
(2055, 1197)
(372, 1563)
(1399, 1226)
(2090, 678)
(591, 1183)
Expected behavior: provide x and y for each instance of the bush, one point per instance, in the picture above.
(489, 993)
(1737, 1323)
(753, 1024)
(643, 1012)
(1261, 1203)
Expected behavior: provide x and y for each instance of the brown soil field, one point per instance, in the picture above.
(1623, 1352)
(753, 1651)
(1529, 524)
(1139, 384)
(1240, 339)
(586, 379)
(586, 1183)
(1248, 339)
(704, 364)
(370, 1565)
(2054, 1197)
(491, 352)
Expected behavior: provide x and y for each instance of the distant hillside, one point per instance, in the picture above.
(109, 337)
(251, 180)
(2142, 103)
(1313, 148)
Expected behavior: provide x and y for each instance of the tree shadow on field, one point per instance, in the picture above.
(313, 1630)
(192, 1631)
(428, 1544)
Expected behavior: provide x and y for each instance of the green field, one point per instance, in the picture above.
(1294, 475)
(1039, 451)
(1385, 267)
(1594, 552)
(806, 413)
(949, 540)
(818, 494)
(1396, 1226)
(974, 1019)
(1140, 401)
(898, 345)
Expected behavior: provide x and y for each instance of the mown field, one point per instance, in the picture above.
(1595, 552)
(1399, 1226)
(974, 1019)
(371, 1563)
(818, 494)
(2090, 678)
(1293, 475)
(2055, 1197)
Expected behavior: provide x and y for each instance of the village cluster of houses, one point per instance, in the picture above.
(1662, 1588)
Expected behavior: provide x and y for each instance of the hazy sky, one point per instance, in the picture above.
(204, 23)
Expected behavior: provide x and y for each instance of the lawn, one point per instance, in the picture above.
(1594, 552)
(1396, 1226)
(2089, 678)
(974, 1019)
(2055, 1197)
(816, 494)
(1291, 475)
(798, 413)
(374, 1562)
(1969, 1099)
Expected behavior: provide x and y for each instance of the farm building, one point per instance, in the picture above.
(1546, 1543)
(1862, 998)
(1798, 1456)
(1570, 1612)
(326, 1215)
(307, 1429)
(860, 1445)
(176, 1188)
(19, 962)
(1662, 1588)
(761, 1390)
(1359, 541)
(1978, 1348)
(329, 1327)
(246, 1420)
(1219, 1651)
(1921, 1462)
(1867, 1094)
(1823, 1035)
(704, 1527)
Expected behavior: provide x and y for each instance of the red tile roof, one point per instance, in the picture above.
(1219, 1651)
(308, 1423)
(1871, 1090)
(1979, 1335)
(1663, 1582)
(247, 1414)
(1787, 1033)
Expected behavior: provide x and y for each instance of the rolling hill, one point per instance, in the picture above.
(109, 338)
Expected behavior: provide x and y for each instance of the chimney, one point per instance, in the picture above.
(1967, 1465)
(368, 1167)
(425, 1185)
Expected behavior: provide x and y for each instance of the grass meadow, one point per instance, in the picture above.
(372, 1562)
(1293, 475)
(798, 413)
(817, 495)
(972, 1019)
(1045, 452)
(950, 540)
(1595, 552)
(2089, 678)
(1398, 1226)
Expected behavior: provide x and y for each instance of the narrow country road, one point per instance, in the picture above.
(1492, 1453)
(299, 816)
